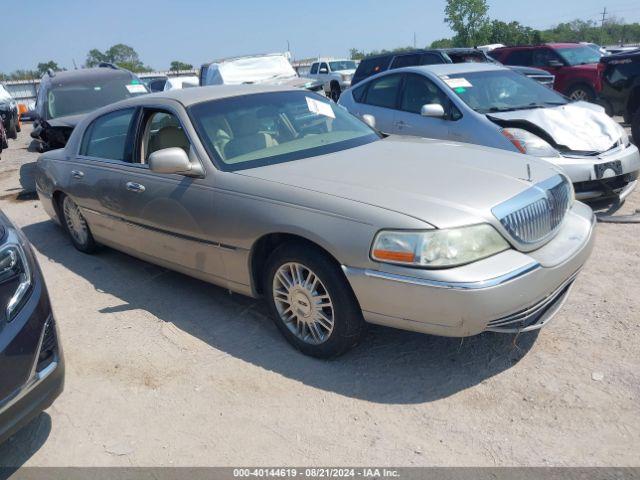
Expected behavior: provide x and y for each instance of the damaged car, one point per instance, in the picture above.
(491, 105)
(269, 69)
(9, 113)
(279, 193)
(64, 98)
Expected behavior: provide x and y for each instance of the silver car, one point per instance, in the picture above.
(279, 193)
(491, 105)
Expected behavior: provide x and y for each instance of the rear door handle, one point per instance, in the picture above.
(401, 124)
(135, 187)
(77, 174)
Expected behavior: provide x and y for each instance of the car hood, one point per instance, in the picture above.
(579, 126)
(70, 121)
(444, 184)
(529, 70)
(349, 71)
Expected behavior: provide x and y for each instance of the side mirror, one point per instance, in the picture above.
(555, 63)
(433, 110)
(324, 70)
(170, 160)
(369, 120)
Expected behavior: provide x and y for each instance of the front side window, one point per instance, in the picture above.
(76, 98)
(501, 91)
(324, 68)
(542, 57)
(314, 68)
(383, 92)
(107, 136)
(419, 91)
(163, 130)
(579, 55)
(430, 59)
(267, 128)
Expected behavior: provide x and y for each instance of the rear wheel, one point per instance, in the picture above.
(12, 131)
(311, 302)
(76, 226)
(581, 92)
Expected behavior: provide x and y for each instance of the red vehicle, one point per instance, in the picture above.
(574, 65)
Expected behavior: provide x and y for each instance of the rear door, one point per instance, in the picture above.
(381, 100)
(169, 216)
(93, 177)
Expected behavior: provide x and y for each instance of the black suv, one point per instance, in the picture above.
(620, 94)
(380, 63)
(9, 113)
(64, 98)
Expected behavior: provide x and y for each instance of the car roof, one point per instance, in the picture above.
(86, 75)
(192, 95)
(551, 45)
(455, 68)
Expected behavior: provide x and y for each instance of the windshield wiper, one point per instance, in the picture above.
(531, 106)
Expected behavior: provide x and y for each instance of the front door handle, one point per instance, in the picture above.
(401, 124)
(135, 187)
(77, 174)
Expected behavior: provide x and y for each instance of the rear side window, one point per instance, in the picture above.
(358, 93)
(314, 68)
(383, 92)
(430, 59)
(406, 61)
(107, 136)
(371, 66)
(519, 57)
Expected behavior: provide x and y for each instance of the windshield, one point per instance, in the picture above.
(581, 55)
(501, 91)
(75, 99)
(267, 128)
(342, 65)
(4, 95)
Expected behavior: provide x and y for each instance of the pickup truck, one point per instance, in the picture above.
(335, 75)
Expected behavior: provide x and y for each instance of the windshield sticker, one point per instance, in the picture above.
(458, 83)
(460, 90)
(137, 88)
(320, 108)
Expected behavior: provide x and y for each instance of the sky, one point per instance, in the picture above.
(196, 31)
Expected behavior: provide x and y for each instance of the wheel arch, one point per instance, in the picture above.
(264, 246)
(633, 104)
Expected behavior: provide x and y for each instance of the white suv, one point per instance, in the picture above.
(336, 75)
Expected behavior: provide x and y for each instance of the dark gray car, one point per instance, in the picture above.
(280, 193)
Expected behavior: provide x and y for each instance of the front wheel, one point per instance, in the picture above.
(581, 92)
(336, 91)
(12, 131)
(76, 226)
(311, 302)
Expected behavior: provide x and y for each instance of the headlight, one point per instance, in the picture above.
(15, 276)
(624, 136)
(529, 143)
(438, 248)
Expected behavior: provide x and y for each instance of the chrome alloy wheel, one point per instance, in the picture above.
(579, 94)
(76, 223)
(303, 303)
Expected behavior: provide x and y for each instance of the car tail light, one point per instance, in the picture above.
(599, 76)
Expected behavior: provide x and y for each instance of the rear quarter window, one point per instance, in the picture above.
(371, 66)
(518, 57)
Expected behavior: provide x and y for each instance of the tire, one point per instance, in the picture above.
(76, 226)
(581, 91)
(341, 325)
(336, 91)
(12, 131)
(18, 126)
(635, 127)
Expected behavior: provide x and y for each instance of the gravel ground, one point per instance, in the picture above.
(165, 370)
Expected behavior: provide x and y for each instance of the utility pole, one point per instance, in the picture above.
(604, 17)
(415, 41)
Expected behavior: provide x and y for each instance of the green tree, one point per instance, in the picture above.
(468, 19)
(177, 66)
(120, 54)
(355, 54)
(45, 66)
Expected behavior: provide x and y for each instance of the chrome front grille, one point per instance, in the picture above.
(535, 214)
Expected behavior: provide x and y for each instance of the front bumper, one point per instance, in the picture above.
(613, 173)
(511, 291)
(33, 332)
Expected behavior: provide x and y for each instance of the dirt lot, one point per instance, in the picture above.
(166, 370)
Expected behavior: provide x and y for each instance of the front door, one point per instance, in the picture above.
(418, 91)
(170, 216)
